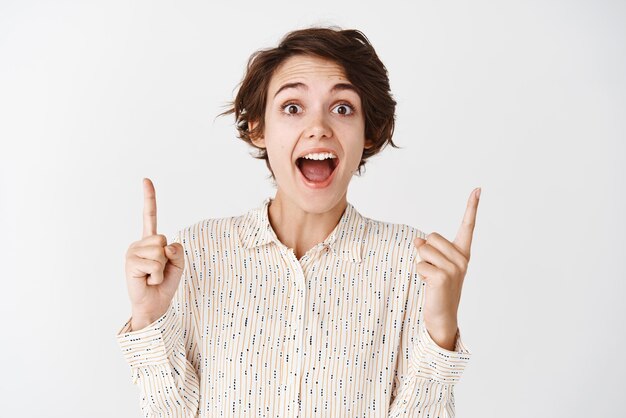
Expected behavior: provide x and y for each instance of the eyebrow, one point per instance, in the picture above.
(299, 85)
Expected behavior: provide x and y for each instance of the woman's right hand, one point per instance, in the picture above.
(153, 269)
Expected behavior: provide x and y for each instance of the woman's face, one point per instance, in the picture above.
(312, 107)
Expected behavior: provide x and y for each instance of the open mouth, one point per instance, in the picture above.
(317, 172)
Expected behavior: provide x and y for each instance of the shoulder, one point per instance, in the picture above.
(392, 237)
(209, 233)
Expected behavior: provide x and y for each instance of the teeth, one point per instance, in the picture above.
(319, 156)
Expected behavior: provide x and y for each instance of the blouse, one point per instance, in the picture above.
(254, 331)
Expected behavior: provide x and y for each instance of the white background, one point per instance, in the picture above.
(525, 99)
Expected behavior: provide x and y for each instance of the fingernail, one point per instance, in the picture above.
(172, 249)
(478, 194)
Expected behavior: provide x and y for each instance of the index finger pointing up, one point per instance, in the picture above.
(149, 208)
(463, 240)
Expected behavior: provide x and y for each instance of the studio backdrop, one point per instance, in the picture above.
(525, 99)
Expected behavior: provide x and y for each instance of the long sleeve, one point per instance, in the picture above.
(426, 373)
(163, 357)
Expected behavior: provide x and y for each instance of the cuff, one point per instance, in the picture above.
(152, 344)
(436, 363)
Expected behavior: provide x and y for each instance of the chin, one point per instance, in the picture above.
(320, 203)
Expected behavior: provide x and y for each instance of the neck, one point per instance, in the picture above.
(300, 229)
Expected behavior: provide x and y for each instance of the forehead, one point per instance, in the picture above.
(307, 68)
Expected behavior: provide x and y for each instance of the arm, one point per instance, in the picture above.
(162, 357)
(426, 373)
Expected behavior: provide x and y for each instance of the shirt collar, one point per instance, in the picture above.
(346, 239)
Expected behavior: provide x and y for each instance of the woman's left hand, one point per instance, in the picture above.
(443, 269)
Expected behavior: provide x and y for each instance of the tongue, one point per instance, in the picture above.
(316, 170)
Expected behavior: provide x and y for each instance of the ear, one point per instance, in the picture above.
(368, 144)
(258, 141)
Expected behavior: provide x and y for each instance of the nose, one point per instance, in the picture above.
(318, 126)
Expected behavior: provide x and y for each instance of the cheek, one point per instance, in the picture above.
(355, 153)
(278, 153)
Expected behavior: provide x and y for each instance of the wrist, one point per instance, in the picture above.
(140, 321)
(443, 333)
(137, 323)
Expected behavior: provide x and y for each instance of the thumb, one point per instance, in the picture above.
(419, 242)
(175, 254)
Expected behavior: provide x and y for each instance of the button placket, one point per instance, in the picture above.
(297, 345)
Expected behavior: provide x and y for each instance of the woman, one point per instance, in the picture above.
(301, 306)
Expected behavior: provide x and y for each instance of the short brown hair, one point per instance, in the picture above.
(351, 50)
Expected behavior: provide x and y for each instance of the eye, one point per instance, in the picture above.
(345, 108)
(290, 106)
